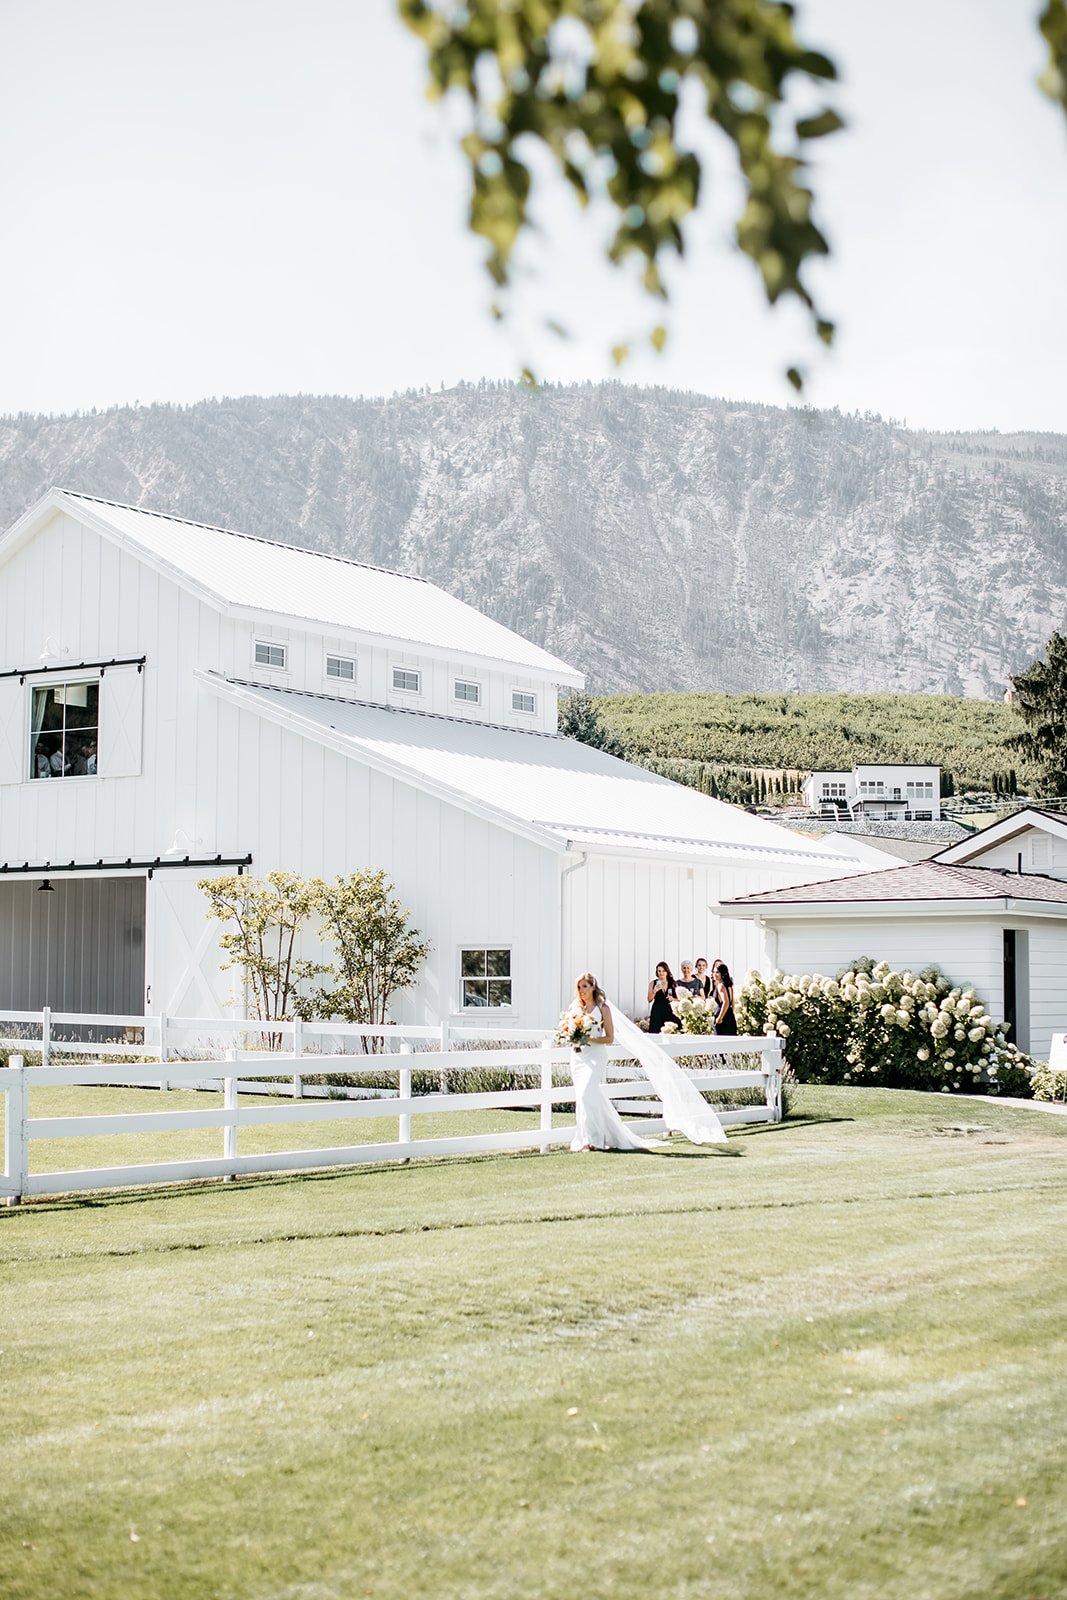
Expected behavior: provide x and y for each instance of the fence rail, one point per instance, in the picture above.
(540, 1061)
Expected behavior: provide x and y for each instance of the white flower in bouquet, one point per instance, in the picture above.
(923, 1053)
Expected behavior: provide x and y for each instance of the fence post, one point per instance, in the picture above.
(163, 1081)
(229, 1132)
(298, 1051)
(774, 1077)
(16, 1143)
(442, 1081)
(404, 1092)
(546, 1097)
(46, 1037)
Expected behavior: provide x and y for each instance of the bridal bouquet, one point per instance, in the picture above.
(575, 1029)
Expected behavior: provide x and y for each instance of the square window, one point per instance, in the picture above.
(271, 655)
(407, 679)
(343, 667)
(485, 978)
(64, 724)
(465, 689)
(521, 700)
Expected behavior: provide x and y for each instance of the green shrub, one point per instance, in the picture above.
(895, 1029)
(1049, 1083)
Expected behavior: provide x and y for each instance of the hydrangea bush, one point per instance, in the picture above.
(696, 1015)
(902, 1030)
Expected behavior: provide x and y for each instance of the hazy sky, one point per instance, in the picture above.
(250, 196)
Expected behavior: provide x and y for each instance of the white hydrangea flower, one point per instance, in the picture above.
(903, 1018)
(923, 1053)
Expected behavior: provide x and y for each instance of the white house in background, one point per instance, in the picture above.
(178, 700)
(879, 792)
(990, 910)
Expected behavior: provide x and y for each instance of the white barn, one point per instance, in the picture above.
(990, 910)
(177, 700)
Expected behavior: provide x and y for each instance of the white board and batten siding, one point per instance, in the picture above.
(966, 951)
(1047, 955)
(621, 916)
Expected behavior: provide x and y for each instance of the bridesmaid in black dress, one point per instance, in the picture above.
(661, 993)
(725, 1021)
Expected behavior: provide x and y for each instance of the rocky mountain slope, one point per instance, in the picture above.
(657, 540)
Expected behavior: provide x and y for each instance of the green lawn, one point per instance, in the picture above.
(834, 1366)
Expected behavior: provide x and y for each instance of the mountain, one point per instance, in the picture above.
(657, 540)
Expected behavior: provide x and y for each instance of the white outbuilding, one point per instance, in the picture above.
(990, 910)
(178, 700)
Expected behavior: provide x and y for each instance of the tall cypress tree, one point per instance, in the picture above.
(1041, 700)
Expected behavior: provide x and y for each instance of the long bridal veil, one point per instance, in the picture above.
(685, 1110)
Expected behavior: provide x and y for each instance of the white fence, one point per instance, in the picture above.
(539, 1061)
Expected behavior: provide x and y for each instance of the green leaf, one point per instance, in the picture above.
(818, 127)
(658, 338)
(795, 379)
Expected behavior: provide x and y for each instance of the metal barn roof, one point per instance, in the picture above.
(240, 569)
(566, 791)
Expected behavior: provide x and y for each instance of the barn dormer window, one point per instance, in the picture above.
(523, 700)
(64, 727)
(269, 654)
(408, 680)
(342, 668)
(467, 691)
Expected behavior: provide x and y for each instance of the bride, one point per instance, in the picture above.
(599, 1125)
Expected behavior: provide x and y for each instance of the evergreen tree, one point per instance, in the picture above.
(1041, 700)
(579, 719)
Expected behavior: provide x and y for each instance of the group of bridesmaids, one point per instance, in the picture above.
(714, 987)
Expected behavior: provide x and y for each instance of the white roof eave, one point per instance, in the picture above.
(850, 910)
(998, 833)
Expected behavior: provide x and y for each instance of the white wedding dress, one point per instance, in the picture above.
(600, 1127)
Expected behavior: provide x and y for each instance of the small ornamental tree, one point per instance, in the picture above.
(378, 952)
(263, 919)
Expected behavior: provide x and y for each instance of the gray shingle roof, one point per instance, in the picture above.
(923, 880)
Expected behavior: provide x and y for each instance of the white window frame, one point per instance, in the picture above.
(463, 699)
(269, 645)
(341, 660)
(524, 694)
(467, 949)
(404, 688)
